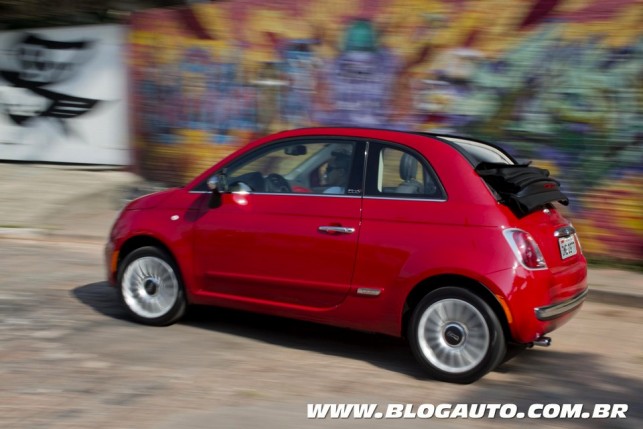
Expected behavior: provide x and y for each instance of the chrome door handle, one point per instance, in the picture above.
(336, 229)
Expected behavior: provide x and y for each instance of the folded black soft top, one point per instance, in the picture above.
(522, 187)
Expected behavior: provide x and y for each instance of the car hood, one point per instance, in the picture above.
(151, 201)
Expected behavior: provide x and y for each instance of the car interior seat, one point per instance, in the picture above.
(408, 172)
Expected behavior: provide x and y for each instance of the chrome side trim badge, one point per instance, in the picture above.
(368, 291)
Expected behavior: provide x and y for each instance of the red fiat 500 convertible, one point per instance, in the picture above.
(445, 240)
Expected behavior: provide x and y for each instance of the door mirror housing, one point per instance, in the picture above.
(217, 185)
(213, 183)
(218, 182)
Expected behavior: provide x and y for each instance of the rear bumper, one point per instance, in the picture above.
(538, 302)
(554, 311)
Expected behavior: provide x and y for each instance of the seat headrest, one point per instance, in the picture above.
(408, 167)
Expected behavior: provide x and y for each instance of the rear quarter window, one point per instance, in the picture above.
(400, 173)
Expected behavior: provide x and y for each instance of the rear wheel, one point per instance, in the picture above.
(456, 336)
(151, 288)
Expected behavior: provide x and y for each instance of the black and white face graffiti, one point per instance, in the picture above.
(44, 62)
(64, 93)
(38, 63)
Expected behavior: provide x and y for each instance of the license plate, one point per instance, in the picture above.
(567, 247)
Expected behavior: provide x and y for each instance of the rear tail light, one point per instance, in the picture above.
(525, 248)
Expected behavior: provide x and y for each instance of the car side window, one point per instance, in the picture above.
(300, 167)
(394, 172)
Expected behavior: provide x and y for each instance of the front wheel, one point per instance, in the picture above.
(456, 336)
(151, 288)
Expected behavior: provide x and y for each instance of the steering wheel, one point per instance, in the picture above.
(277, 183)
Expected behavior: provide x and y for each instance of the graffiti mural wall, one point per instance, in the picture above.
(559, 82)
(63, 95)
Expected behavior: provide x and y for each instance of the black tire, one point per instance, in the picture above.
(151, 288)
(513, 350)
(456, 336)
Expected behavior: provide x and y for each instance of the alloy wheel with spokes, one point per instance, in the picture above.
(151, 288)
(456, 335)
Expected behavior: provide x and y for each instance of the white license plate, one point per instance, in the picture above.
(567, 247)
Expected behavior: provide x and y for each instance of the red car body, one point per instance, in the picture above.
(378, 257)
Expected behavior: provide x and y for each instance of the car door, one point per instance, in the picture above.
(404, 218)
(277, 237)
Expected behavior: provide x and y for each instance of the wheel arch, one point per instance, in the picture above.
(430, 284)
(139, 241)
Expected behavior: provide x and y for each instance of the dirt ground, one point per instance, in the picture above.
(70, 358)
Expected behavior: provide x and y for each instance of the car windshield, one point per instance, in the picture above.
(281, 162)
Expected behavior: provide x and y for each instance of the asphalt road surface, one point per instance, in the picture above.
(70, 358)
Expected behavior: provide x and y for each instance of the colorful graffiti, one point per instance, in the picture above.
(559, 82)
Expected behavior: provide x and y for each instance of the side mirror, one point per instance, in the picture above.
(217, 184)
(213, 182)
